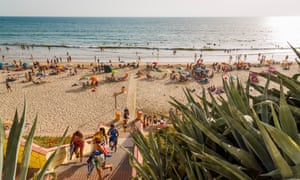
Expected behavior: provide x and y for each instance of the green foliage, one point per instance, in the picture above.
(8, 165)
(49, 141)
(43, 170)
(234, 136)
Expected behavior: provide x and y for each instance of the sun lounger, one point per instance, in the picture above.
(124, 77)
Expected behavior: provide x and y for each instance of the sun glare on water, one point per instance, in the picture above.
(284, 28)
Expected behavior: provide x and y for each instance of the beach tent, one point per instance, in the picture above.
(107, 68)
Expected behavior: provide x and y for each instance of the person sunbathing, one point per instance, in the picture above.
(98, 158)
(182, 78)
(149, 76)
(124, 77)
(212, 88)
(112, 78)
(219, 90)
(173, 76)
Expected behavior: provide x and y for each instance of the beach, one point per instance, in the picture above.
(60, 101)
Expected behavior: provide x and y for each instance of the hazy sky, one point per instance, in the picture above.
(169, 8)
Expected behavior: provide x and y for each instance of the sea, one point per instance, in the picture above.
(148, 39)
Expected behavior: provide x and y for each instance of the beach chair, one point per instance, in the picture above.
(149, 76)
(124, 77)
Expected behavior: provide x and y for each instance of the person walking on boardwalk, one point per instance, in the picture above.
(113, 134)
(98, 156)
(126, 118)
(77, 145)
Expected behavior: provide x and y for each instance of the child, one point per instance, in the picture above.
(113, 134)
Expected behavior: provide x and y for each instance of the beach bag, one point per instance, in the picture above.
(105, 150)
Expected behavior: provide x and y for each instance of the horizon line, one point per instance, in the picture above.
(148, 16)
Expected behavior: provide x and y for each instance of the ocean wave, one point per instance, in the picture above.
(206, 48)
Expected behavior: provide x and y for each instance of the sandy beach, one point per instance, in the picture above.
(61, 101)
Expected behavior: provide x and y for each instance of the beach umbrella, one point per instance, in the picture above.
(114, 71)
(154, 62)
(94, 78)
(253, 74)
(198, 70)
(271, 68)
(186, 73)
(26, 64)
(8, 64)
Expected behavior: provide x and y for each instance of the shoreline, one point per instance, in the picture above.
(144, 55)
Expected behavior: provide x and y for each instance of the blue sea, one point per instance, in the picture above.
(148, 39)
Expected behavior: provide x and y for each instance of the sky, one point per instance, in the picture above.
(150, 8)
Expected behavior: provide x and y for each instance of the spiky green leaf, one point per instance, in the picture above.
(287, 119)
(279, 161)
(42, 171)
(27, 152)
(13, 146)
(2, 136)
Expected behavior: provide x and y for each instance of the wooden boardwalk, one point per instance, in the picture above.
(74, 170)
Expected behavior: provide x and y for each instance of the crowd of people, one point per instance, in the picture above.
(99, 153)
(153, 121)
(105, 142)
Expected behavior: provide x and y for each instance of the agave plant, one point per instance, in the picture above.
(8, 165)
(235, 136)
